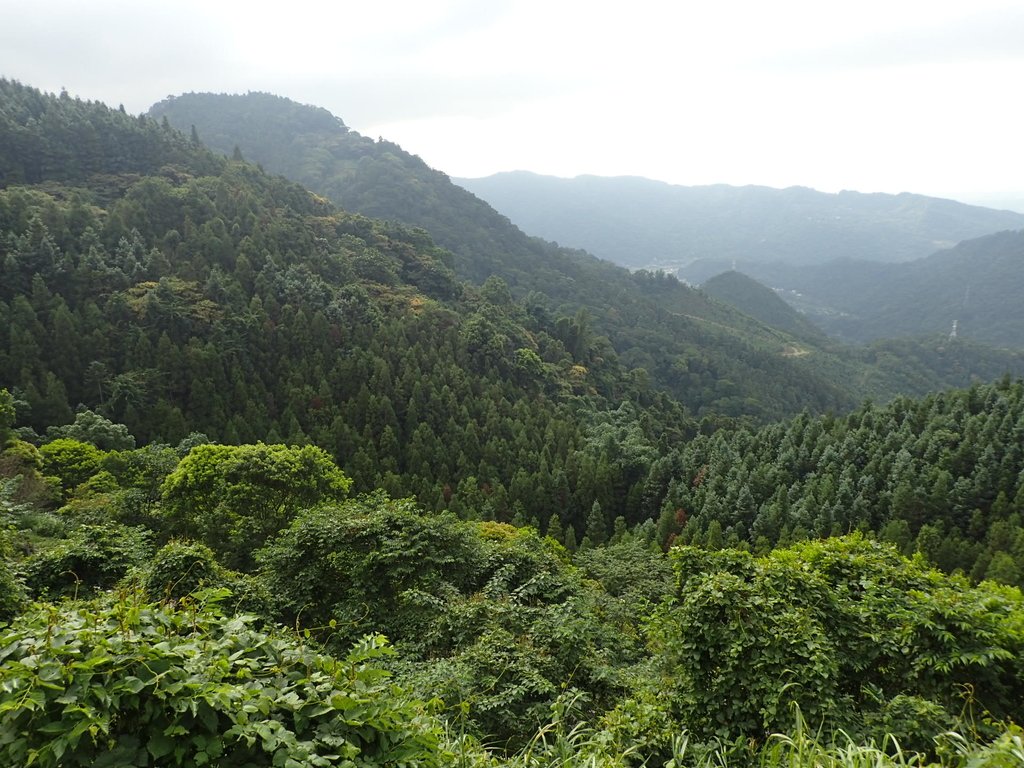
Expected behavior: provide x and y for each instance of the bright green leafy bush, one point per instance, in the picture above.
(860, 638)
(72, 461)
(127, 683)
(234, 497)
(92, 427)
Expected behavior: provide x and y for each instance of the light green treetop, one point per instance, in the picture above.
(233, 497)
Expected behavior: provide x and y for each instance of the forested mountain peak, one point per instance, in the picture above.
(267, 108)
(60, 138)
(278, 119)
(758, 300)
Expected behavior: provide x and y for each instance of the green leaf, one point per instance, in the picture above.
(159, 745)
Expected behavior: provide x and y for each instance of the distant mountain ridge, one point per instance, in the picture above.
(642, 223)
(701, 351)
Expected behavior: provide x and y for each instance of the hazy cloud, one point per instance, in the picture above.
(982, 35)
(916, 95)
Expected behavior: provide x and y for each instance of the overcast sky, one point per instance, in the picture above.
(873, 95)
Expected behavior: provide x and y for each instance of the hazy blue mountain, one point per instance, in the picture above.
(643, 223)
(979, 284)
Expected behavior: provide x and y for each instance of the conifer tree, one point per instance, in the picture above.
(570, 538)
(597, 526)
(555, 528)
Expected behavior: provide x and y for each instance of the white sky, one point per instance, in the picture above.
(873, 95)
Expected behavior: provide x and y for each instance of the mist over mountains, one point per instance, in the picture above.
(642, 223)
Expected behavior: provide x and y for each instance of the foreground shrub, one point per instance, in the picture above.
(121, 682)
(180, 568)
(860, 638)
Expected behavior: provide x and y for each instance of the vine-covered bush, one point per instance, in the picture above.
(181, 567)
(91, 558)
(12, 594)
(121, 682)
(857, 636)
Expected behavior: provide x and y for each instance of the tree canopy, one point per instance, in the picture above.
(234, 497)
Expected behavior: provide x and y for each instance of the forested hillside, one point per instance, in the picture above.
(941, 475)
(277, 488)
(647, 224)
(240, 306)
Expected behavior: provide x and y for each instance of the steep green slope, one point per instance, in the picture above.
(642, 223)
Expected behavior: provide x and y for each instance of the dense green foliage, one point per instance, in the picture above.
(90, 559)
(180, 568)
(846, 630)
(200, 363)
(643, 223)
(500, 626)
(487, 616)
(120, 682)
(943, 475)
